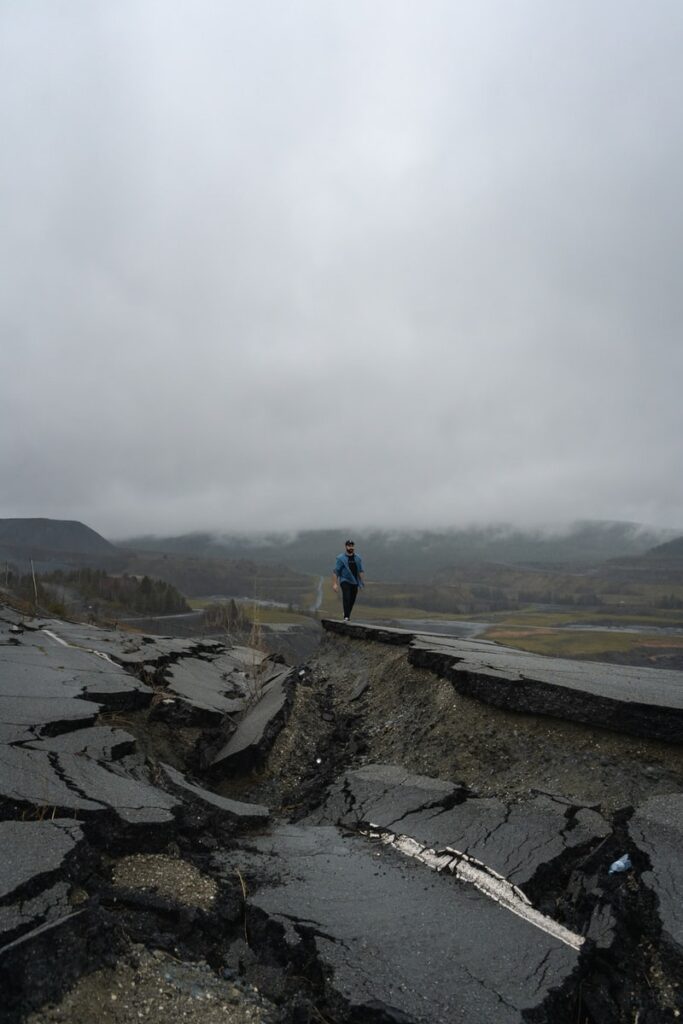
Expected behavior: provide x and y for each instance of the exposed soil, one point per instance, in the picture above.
(407, 716)
(154, 987)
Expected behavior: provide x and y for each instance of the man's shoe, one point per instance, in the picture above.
(346, 618)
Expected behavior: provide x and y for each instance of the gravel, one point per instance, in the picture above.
(156, 988)
(170, 877)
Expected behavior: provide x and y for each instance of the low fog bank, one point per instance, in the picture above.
(393, 553)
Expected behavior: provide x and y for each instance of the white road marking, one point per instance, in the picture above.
(483, 878)
(77, 647)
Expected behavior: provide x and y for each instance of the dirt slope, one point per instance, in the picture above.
(409, 717)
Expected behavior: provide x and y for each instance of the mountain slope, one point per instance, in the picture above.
(419, 555)
(53, 535)
(673, 549)
(54, 543)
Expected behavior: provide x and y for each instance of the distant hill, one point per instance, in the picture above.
(420, 555)
(673, 549)
(54, 544)
(58, 545)
(200, 577)
(662, 564)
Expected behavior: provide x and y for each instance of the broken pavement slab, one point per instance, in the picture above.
(45, 944)
(513, 839)
(204, 688)
(48, 690)
(392, 937)
(77, 784)
(35, 861)
(201, 675)
(219, 683)
(26, 718)
(43, 683)
(639, 701)
(34, 850)
(131, 650)
(235, 810)
(42, 672)
(260, 724)
(656, 828)
(58, 763)
(383, 794)
(101, 742)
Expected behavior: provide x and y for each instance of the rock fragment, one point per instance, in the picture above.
(394, 938)
(260, 724)
(207, 688)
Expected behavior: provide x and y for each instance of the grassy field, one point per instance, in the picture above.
(527, 629)
(261, 613)
(331, 607)
(593, 617)
(577, 643)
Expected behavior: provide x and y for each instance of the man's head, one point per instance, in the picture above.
(350, 547)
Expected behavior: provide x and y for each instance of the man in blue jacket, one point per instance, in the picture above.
(348, 574)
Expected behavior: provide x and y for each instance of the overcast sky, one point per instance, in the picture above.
(293, 264)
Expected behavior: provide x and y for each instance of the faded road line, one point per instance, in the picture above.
(484, 878)
(77, 647)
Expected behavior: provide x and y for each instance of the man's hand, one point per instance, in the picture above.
(334, 586)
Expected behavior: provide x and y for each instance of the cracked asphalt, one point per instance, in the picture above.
(365, 843)
(542, 801)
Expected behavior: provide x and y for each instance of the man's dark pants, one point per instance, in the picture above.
(349, 595)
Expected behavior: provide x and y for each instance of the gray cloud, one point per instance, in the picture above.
(278, 266)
